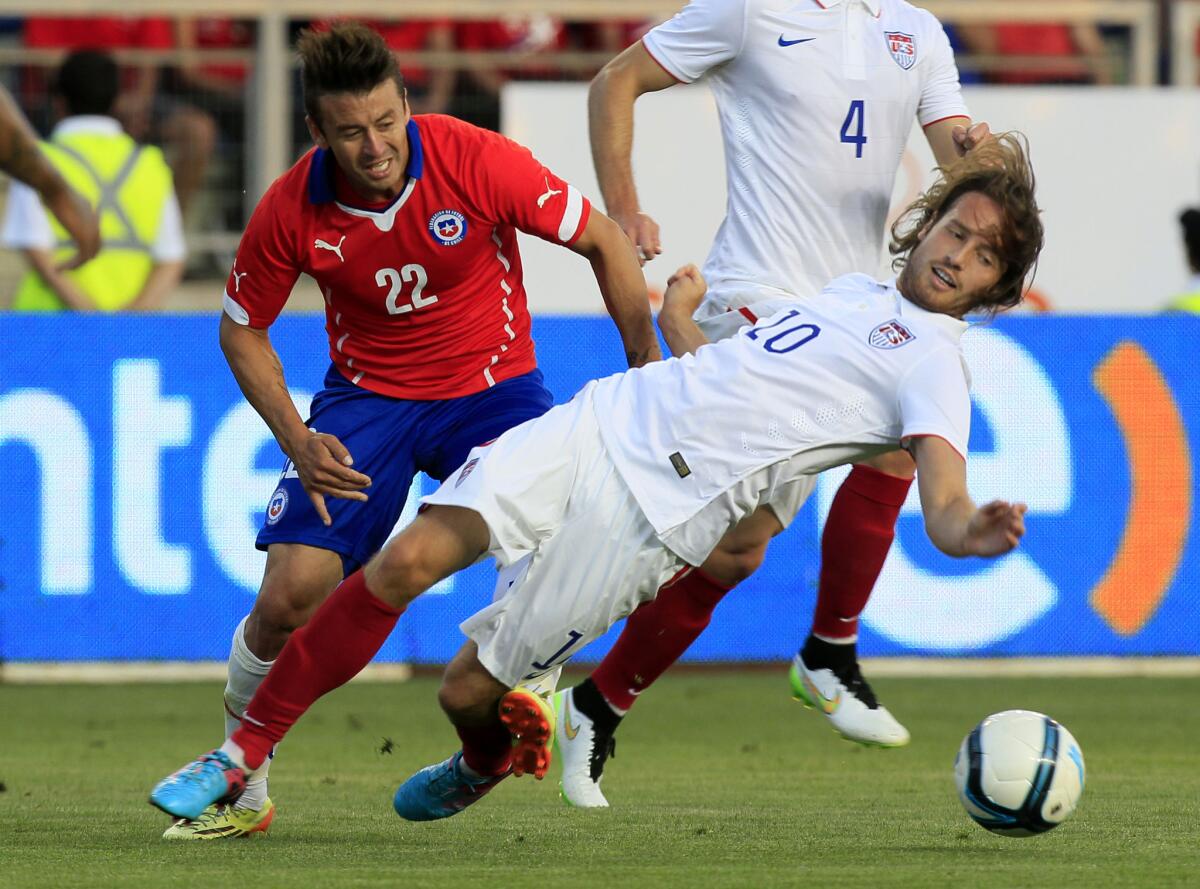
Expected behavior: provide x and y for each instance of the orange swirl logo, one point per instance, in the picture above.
(1160, 502)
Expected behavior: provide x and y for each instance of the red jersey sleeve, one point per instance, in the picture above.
(513, 186)
(266, 266)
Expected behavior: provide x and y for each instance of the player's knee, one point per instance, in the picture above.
(286, 604)
(732, 563)
(403, 571)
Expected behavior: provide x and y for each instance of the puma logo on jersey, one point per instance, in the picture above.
(550, 192)
(325, 245)
(237, 278)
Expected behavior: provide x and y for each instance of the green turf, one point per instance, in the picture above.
(720, 780)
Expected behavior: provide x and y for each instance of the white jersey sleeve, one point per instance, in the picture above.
(168, 244)
(941, 93)
(934, 400)
(702, 35)
(26, 225)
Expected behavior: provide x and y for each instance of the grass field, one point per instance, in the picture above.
(720, 780)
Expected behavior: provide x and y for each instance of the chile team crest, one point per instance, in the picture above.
(275, 509)
(902, 47)
(448, 227)
(890, 335)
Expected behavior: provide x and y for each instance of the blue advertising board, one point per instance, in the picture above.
(136, 477)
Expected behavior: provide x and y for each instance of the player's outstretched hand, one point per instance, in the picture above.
(995, 528)
(685, 289)
(642, 231)
(78, 218)
(965, 140)
(323, 464)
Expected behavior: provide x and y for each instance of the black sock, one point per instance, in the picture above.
(821, 655)
(588, 701)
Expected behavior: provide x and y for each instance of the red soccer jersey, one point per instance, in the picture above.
(423, 298)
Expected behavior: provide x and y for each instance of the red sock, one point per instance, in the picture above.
(487, 749)
(656, 636)
(330, 650)
(858, 535)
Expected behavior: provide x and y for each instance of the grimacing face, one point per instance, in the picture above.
(367, 134)
(957, 259)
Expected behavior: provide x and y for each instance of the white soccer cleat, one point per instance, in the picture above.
(846, 698)
(582, 750)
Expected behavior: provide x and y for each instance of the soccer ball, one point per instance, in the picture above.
(1019, 773)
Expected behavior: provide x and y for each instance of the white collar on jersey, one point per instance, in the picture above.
(873, 5)
(951, 326)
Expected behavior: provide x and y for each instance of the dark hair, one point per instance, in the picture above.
(1190, 220)
(349, 57)
(999, 169)
(87, 81)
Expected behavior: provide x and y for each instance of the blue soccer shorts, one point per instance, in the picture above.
(391, 440)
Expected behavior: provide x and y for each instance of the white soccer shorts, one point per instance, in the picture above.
(549, 489)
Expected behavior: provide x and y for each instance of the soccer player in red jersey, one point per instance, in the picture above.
(409, 226)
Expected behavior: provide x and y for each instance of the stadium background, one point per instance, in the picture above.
(136, 475)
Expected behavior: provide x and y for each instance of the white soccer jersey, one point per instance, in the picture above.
(703, 440)
(816, 101)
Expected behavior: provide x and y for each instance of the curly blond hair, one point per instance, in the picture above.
(1000, 169)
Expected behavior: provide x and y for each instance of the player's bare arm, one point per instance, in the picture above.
(685, 290)
(610, 125)
(321, 461)
(21, 159)
(954, 523)
(622, 285)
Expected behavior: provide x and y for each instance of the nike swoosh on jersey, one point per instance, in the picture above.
(783, 42)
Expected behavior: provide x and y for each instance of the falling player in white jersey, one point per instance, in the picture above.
(637, 479)
(816, 103)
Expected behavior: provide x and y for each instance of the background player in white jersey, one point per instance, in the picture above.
(816, 102)
(645, 471)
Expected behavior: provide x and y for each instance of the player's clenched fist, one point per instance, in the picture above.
(967, 139)
(323, 464)
(685, 289)
(995, 528)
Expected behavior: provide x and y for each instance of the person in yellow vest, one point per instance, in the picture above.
(142, 250)
(1189, 300)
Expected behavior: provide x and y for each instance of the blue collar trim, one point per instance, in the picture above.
(321, 169)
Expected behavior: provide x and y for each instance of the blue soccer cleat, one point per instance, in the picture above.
(213, 778)
(441, 790)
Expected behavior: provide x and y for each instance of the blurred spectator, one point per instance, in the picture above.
(1189, 300)
(188, 133)
(478, 99)
(220, 88)
(142, 251)
(608, 36)
(1078, 51)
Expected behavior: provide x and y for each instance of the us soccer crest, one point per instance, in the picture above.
(902, 47)
(890, 335)
(466, 470)
(448, 227)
